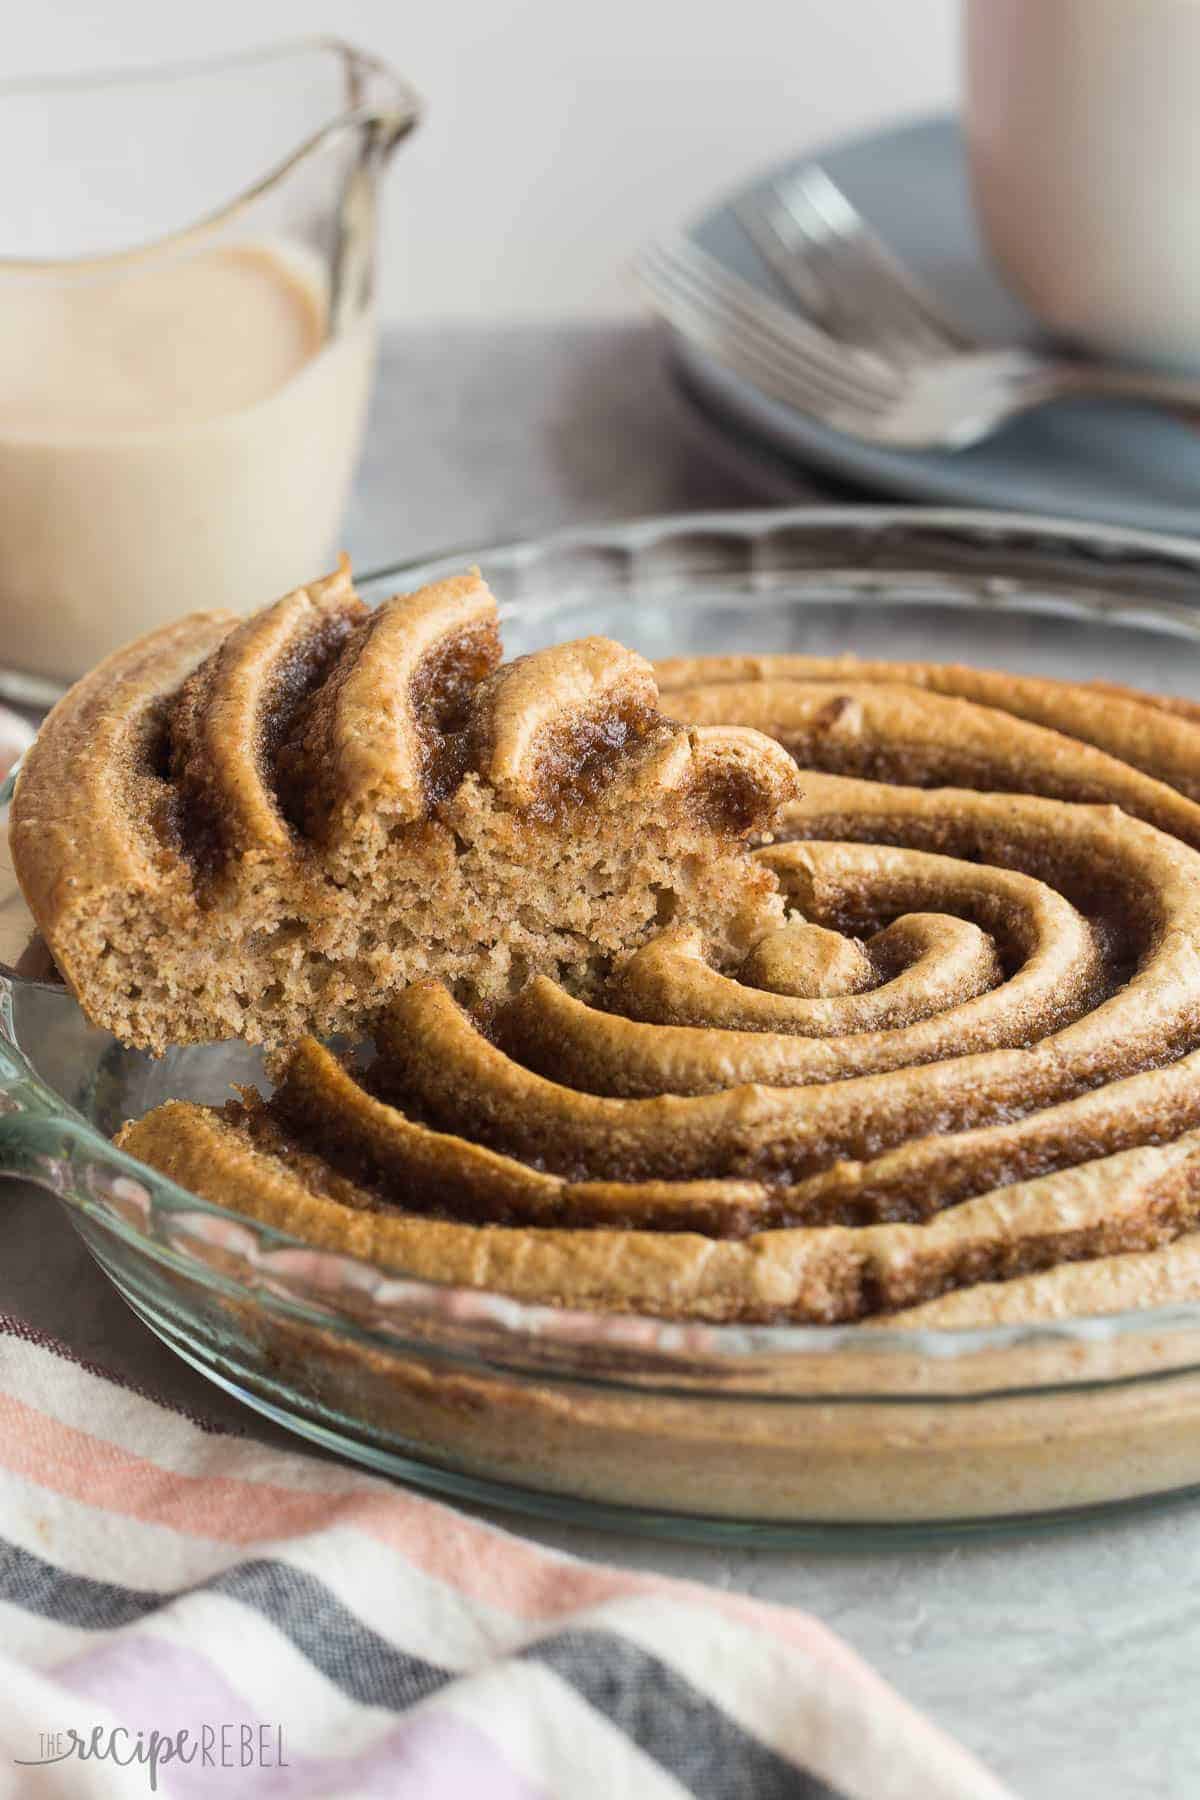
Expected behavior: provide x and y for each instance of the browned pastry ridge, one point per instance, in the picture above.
(958, 1083)
(263, 827)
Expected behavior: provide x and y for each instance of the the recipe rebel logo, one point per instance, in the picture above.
(226, 1746)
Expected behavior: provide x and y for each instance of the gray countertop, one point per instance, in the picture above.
(1066, 1660)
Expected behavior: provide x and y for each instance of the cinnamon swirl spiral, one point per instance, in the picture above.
(958, 1081)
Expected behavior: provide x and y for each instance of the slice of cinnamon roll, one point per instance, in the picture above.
(268, 826)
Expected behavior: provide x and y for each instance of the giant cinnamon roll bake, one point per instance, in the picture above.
(738, 989)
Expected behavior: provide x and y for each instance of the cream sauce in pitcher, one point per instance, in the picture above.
(177, 438)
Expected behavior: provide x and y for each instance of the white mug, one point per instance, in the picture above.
(1083, 124)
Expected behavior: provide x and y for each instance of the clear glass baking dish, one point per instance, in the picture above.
(767, 1434)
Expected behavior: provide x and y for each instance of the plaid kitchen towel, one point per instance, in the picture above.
(188, 1612)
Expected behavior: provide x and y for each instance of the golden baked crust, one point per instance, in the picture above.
(264, 826)
(959, 1084)
(1148, 732)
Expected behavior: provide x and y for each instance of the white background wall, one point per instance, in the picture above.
(559, 133)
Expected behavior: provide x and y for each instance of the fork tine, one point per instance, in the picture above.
(838, 283)
(764, 373)
(764, 221)
(768, 365)
(826, 279)
(859, 270)
(844, 222)
(691, 264)
(685, 280)
(740, 305)
(815, 223)
(693, 294)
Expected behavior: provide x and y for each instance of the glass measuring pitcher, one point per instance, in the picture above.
(186, 339)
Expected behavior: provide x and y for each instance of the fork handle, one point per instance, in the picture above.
(1040, 380)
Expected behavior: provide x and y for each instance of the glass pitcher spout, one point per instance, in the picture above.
(128, 161)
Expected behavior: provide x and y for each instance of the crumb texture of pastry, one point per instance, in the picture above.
(261, 827)
(956, 1082)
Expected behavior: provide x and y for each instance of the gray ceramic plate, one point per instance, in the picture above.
(1084, 458)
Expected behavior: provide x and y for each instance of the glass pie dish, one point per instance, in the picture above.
(768, 1433)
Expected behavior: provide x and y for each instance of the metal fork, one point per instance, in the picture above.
(871, 353)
